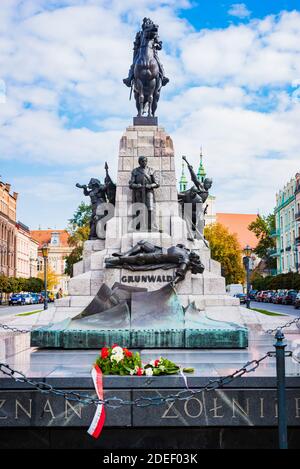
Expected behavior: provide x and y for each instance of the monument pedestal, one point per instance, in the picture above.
(196, 314)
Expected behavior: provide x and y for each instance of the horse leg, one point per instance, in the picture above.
(156, 95)
(150, 96)
(141, 97)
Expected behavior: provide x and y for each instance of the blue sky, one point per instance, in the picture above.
(234, 89)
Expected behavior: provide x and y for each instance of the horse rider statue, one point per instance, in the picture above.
(136, 47)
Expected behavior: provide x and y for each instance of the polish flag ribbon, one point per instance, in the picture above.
(99, 417)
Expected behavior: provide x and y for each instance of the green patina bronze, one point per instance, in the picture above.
(155, 320)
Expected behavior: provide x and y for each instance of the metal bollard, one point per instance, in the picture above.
(281, 394)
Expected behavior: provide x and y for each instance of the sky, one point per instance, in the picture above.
(234, 89)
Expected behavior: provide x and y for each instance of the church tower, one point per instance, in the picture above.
(201, 171)
(183, 180)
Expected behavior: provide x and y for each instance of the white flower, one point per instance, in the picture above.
(117, 354)
(117, 350)
(117, 357)
(148, 371)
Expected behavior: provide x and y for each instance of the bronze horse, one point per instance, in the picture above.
(147, 81)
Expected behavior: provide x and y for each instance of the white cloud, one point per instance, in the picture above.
(261, 53)
(66, 106)
(239, 10)
(2, 92)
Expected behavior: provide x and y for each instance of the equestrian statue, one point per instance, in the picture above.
(146, 74)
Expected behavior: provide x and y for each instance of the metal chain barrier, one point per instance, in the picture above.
(14, 329)
(288, 324)
(116, 402)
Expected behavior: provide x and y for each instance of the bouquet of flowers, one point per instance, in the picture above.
(118, 360)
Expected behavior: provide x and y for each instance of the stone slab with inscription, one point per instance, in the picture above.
(225, 407)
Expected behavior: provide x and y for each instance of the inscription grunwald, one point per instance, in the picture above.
(226, 407)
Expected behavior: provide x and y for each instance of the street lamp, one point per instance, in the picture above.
(45, 253)
(246, 261)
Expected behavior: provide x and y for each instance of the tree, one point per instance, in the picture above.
(226, 249)
(18, 284)
(52, 278)
(79, 230)
(262, 227)
(81, 216)
(35, 285)
(288, 281)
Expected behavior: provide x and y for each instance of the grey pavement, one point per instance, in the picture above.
(14, 310)
(280, 309)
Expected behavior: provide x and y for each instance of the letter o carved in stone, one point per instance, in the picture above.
(186, 406)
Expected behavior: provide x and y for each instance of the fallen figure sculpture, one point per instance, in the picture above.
(146, 256)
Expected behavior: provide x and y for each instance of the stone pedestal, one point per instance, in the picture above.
(206, 292)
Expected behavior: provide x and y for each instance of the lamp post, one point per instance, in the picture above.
(246, 261)
(45, 252)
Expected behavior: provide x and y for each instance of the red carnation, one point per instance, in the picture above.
(156, 362)
(104, 352)
(140, 371)
(127, 352)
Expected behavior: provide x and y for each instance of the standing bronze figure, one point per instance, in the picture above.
(143, 181)
(99, 194)
(192, 204)
(146, 75)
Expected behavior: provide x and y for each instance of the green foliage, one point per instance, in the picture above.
(117, 360)
(79, 230)
(18, 284)
(289, 281)
(35, 285)
(71, 259)
(81, 216)
(262, 227)
(225, 249)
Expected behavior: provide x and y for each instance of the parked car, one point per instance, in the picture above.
(242, 297)
(27, 298)
(16, 299)
(289, 297)
(264, 296)
(297, 301)
(35, 298)
(269, 296)
(277, 299)
(252, 294)
(257, 295)
(234, 288)
(261, 295)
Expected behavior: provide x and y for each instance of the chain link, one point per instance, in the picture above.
(115, 402)
(14, 329)
(142, 401)
(288, 324)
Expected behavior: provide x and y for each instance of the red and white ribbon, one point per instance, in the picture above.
(99, 417)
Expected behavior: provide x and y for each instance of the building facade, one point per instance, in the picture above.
(286, 229)
(297, 219)
(57, 241)
(8, 243)
(26, 252)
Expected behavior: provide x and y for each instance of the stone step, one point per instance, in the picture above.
(86, 284)
(202, 302)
